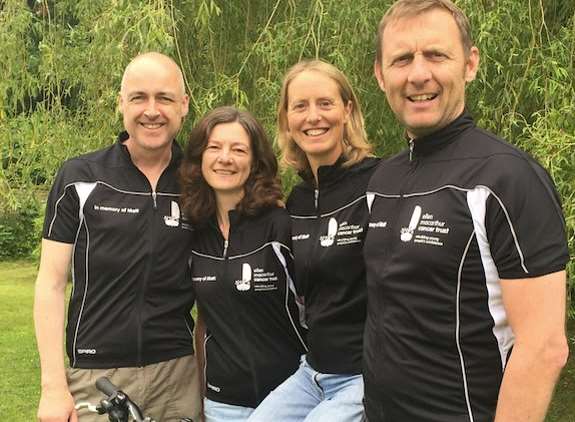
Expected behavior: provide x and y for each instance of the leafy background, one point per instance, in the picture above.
(61, 63)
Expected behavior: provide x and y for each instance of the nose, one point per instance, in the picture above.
(151, 111)
(419, 72)
(313, 114)
(224, 155)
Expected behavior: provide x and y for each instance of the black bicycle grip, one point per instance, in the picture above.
(104, 385)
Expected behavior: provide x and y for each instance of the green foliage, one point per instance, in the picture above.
(62, 61)
(19, 234)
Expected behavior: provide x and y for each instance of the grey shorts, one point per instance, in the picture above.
(166, 391)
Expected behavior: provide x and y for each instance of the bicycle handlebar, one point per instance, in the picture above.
(117, 405)
(106, 386)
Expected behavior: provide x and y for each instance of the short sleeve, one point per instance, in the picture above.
(62, 216)
(524, 222)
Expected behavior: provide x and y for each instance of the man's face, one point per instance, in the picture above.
(153, 104)
(424, 70)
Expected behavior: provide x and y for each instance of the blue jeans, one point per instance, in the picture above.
(222, 412)
(311, 396)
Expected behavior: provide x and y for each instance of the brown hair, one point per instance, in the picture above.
(410, 8)
(355, 144)
(262, 189)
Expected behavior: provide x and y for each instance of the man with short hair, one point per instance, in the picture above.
(113, 215)
(466, 248)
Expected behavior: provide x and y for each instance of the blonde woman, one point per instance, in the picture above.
(321, 135)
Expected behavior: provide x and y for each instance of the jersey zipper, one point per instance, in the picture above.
(315, 237)
(142, 290)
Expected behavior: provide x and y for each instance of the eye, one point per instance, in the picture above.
(240, 150)
(402, 60)
(165, 99)
(325, 103)
(136, 98)
(436, 55)
(298, 106)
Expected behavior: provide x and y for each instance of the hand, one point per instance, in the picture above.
(57, 406)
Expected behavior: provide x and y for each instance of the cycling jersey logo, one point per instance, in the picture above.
(245, 283)
(407, 232)
(327, 240)
(174, 219)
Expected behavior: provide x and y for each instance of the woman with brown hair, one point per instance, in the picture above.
(240, 265)
(321, 135)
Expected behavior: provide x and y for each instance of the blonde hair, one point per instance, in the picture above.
(355, 144)
(410, 8)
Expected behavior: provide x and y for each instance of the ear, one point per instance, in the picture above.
(378, 75)
(120, 103)
(348, 110)
(185, 105)
(472, 64)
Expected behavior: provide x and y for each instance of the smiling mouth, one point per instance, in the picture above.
(152, 125)
(315, 131)
(224, 172)
(421, 97)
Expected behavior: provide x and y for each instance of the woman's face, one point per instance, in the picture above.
(316, 116)
(227, 159)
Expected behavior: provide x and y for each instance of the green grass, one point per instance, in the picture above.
(20, 369)
(19, 365)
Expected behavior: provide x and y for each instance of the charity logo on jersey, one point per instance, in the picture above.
(424, 228)
(407, 232)
(341, 233)
(245, 282)
(328, 239)
(173, 220)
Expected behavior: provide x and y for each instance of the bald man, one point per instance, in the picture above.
(113, 217)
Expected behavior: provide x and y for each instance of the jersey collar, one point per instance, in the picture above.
(428, 144)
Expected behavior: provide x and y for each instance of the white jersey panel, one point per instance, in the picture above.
(477, 199)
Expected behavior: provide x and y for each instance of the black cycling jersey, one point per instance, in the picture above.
(450, 219)
(130, 304)
(247, 300)
(328, 229)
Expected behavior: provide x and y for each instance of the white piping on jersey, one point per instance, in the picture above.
(85, 292)
(384, 195)
(509, 222)
(56, 208)
(189, 329)
(307, 217)
(206, 338)
(219, 258)
(370, 197)
(203, 255)
(276, 246)
(457, 328)
(503, 333)
(129, 192)
(73, 270)
(96, 182)
(83, 189)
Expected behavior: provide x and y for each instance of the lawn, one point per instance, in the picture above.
(19, 367)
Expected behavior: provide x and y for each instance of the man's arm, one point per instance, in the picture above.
(56, 402)
(536, 311)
